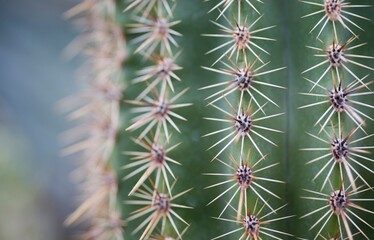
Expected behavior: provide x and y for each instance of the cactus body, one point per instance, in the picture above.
(229, 76)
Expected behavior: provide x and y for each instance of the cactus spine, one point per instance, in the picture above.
(342, 152)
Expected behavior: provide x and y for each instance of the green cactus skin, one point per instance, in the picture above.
(289, 50)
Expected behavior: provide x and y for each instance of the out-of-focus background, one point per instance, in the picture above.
(33, 77)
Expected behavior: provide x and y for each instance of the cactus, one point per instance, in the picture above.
(343, 159)
(97, 109)
(226, 76)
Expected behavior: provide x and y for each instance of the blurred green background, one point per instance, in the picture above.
(37, 193)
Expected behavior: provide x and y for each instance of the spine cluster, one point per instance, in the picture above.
(242, 98)
(156, 109)
(96, 111)
(343, 154)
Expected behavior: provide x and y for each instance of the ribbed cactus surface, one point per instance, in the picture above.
(226, 119)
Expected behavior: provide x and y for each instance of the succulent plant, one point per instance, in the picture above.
(190, 126)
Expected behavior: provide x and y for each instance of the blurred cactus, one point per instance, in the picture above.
(140, 162)
(96, 109)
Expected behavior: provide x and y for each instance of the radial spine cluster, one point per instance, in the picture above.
(156, 113)
(243, 102)
(343, 158)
